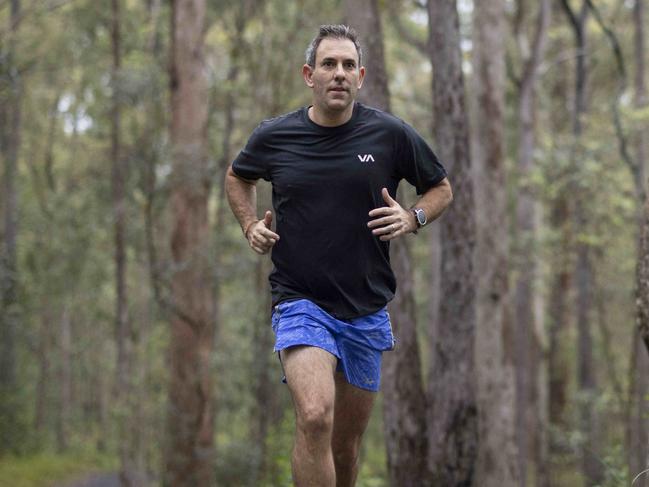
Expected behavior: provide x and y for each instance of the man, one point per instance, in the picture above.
(334, 168)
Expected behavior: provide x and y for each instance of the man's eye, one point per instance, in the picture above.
(328, 64)
(350, 65)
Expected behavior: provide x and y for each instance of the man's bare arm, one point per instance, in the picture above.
(393, 220)
(242, 196)
(435, 200)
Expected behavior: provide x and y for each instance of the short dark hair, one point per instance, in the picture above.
(337, 31)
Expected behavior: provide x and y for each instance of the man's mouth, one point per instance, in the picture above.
(338, 88)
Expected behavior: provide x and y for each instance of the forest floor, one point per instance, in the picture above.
(105, 479)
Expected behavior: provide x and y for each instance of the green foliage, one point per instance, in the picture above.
(46, 469)
(17, 438)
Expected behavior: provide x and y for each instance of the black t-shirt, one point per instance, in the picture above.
(325, 181)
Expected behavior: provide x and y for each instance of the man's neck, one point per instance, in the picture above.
(330, 119)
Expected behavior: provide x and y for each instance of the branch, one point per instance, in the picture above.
(622, 83)
(542, 23)
(571, 15)
(615, 45)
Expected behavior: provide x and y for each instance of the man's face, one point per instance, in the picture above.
(336, 78)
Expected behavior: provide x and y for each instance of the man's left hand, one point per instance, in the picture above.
(391, 221)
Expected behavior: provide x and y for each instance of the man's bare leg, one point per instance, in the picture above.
(310, 378)
(352, 411)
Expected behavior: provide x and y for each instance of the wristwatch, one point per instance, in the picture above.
(420, 217)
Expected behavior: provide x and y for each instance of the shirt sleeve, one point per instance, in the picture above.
(418, 163)
(252, 162)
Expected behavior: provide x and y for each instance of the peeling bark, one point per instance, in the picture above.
(452, 416)
(497, 455)
(190, 451)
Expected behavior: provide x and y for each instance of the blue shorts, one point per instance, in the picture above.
(357, 343)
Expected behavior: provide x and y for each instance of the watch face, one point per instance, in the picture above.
(421, 216)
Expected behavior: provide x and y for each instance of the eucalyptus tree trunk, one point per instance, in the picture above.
(637, 434)
(561, 264)
(586, 381)
(10, 127)
(64, 381)
(404, 402)
(452, 416)
(495, 352)
(127, 427)
(190, 450)
(531, 396)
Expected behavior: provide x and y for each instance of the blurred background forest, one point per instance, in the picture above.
(134, 319)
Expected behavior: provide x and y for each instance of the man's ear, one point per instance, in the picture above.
(361, 76)
(307, 74)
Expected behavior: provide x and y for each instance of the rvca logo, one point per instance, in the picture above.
(365, 158)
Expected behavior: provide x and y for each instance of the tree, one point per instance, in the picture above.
(531, 414)
(495, 351)
(452, 412)
(128, 428)
(10, 128)
(637, 430)
(586, 380)
(189, 454)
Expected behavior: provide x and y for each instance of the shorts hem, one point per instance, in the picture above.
(305, 344)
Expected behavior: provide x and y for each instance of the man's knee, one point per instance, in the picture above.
(316, 419)
(346, 454)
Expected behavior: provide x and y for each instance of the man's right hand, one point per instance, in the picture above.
(260, 237)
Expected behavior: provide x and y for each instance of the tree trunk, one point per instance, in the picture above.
(452, 414)
(44, 367)
(190, 452)
(497, 454)
(637, 437)
(264, 410)
(642, 296)
(531, 414)
(65, 382)
(127, 429)
(586, 381)
(637, 434)
(561, 265)
(404, 400)
(10, 109)
(558, 367)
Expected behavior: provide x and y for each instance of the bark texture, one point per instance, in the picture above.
(127, 427)
(497, 454)
(65, 382)
(531, 405)
(586, 381)
(452, 416)
(404, 400)
(190, 451)
(559, 354)
(642, 297)
(638, 434)
(10, 127)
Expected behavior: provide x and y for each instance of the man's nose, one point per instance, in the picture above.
(340, 72)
